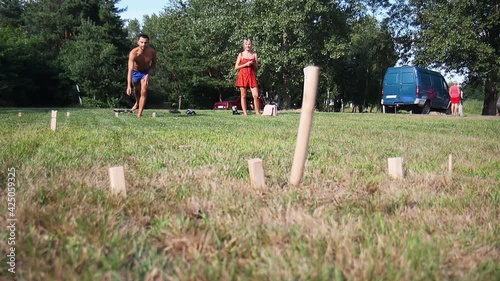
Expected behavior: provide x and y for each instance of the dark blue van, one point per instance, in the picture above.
(414, 89)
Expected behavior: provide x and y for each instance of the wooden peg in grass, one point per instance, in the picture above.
(116, 114)
(117, 178)
(395, 167)
(311, 77)
(154, 114)
(53, 120)
(256, 172)
(68, 114)
(450, 163)
(20, 114)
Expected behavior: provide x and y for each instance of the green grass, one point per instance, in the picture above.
(191, 213)
(472, 106)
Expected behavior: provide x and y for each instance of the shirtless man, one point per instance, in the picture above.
(141, 64)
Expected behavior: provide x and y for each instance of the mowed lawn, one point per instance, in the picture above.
(191, 214)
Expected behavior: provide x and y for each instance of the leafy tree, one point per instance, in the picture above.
(56, 24)
(133, 30)
(284, 31)
(193, 39)
(198, 42)
(10, 13)
(26, 76)
(170, 36)
(371, 52)
(91, 63)
(349, 46)
(459, 35)
(14, 57)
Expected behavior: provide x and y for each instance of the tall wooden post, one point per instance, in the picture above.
(311, 77)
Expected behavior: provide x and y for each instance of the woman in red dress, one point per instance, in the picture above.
(455, 98)
(247, 64)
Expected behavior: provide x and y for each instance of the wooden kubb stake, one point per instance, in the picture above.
(256, 172)
(450, 163)
(311, 77)
(395, 166)
(53, 120)
(117, 178)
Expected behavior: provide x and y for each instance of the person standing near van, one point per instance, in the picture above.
(455, 98)
(246, 65)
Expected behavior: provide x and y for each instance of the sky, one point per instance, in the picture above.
(136, 9)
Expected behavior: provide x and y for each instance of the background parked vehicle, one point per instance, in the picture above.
(414, 89)
(236, 101)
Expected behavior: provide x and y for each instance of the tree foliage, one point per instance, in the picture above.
(198, 42)
(10, 13)
(91, 63)
(39, 70)
(460, 35)
(24, 73)
(86, 43)
(27, 77)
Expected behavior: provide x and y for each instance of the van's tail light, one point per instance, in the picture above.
(382, 92)
(418, 91)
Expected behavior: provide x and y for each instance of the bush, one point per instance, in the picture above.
(473, 106)
(92, 103)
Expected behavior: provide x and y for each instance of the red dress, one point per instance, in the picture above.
(455, 94)
(246, 76)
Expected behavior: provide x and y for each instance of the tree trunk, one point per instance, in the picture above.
(491, 95)
(287, 100)
(220, 93)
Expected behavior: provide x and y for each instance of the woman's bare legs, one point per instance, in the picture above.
(243, 92)
(256, 103)
(454, 109)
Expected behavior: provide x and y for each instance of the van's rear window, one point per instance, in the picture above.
(391, 78)
(407, 78)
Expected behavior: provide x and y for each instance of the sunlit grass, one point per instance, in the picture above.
(191, 214)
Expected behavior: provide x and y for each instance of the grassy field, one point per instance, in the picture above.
(191, 214)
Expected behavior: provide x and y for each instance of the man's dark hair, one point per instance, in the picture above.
(142, 36)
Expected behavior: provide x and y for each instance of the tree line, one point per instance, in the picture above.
(47, 47)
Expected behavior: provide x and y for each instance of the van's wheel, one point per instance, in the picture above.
(427, 108)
